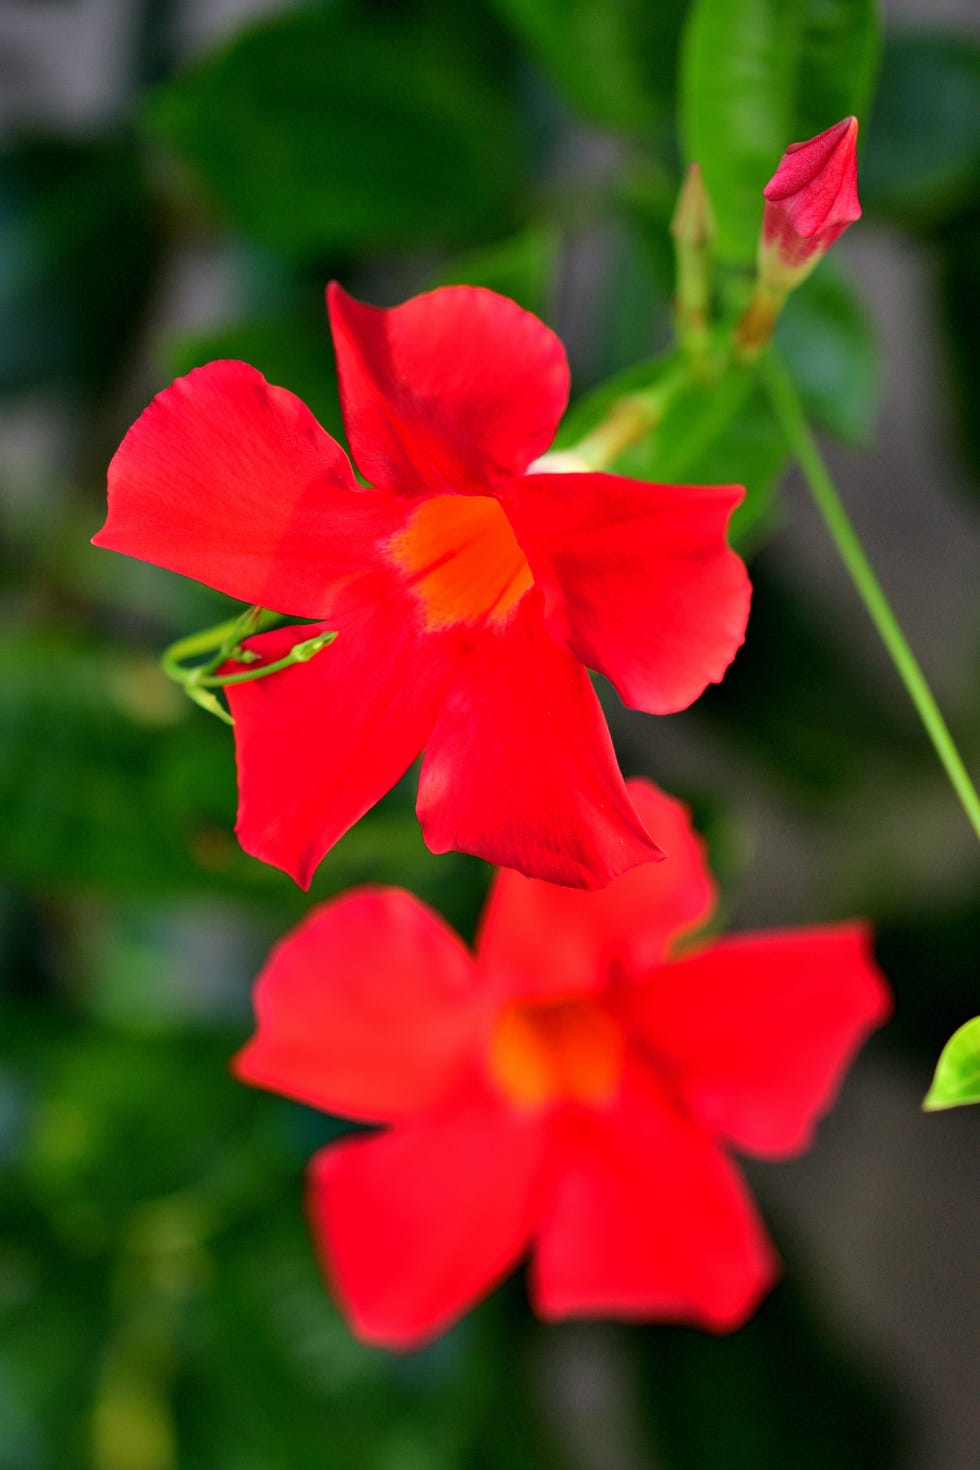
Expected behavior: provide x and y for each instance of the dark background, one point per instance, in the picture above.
(177, 182)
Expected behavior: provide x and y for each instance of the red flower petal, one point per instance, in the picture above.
(538, 940)
(231, 481)
(759, 1029)
(321, 742)
(415, 1225)
(648, 1219)
(520, 769)
(453, 391)
(368, 1008)
(638, 580)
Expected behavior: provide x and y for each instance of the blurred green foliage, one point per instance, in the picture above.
(350, 128)
(162, 1305)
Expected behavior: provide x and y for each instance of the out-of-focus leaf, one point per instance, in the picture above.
(922, 161)
(590, 408)
(349, 127)
(723, 434)
(757, 75)
(522, 267)
(107, 785)
(273, 1335)
(957, 1079)
(649, 197)
(628, 312)
(119, 1123)
(961, 307)
(291, 348)
(827, 341)
(614, 59)
(86, 741)
(719, 434)
(78, 256)
(54, 1316)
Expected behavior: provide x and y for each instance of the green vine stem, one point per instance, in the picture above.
(223, 642)
(790, 415)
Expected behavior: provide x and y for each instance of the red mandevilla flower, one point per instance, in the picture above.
(810, 201)
(573, 1088)
(470, 588)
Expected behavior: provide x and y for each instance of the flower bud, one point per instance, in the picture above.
(693, 229)
(693, 222)
(810, 201)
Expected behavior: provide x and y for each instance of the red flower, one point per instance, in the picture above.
(573, 1089)
(470, 592)
(810, 201)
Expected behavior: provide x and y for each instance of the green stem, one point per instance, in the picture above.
(791, 417)
(217, 641)
(300, 653)
(222, 643)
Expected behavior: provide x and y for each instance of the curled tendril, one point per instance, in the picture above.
(215, 646)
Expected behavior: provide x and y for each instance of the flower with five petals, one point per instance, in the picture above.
(573, 1088)
(469, 587)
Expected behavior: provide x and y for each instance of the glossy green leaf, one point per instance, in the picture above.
(613, 59)
(348, 128)
(828, 344)
(757, 75)
(957, 1079)
(922, 160)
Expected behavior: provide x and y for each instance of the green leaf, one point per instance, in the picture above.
(613, 59)
(349, 128)
(922, 161)
(828, 343)
(757, 75)
(957, 1079)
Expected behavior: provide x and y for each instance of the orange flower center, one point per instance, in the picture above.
(570, 1050)
(463, 560)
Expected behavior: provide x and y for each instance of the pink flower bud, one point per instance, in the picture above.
(810, 200)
